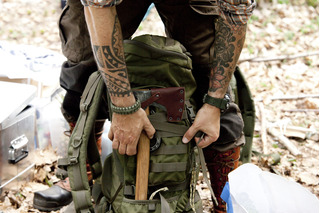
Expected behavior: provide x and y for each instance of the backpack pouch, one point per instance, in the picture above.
(166, 202)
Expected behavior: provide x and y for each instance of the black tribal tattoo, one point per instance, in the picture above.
(111, 62)
(228, 44)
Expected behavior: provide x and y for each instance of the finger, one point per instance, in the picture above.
(149, 129)
(110, 134)
(206, 141)
(115, 144)
(123, 142)
(131, 147)
(117, 139)
(202, 142)
(189, 134)
(122, 149)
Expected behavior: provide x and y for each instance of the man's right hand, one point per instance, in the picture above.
(125, 131)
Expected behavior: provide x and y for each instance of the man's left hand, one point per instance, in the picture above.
(206, 121)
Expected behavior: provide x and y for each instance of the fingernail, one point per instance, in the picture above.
(185, 140)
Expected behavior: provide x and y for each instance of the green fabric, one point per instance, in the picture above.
(246, 105)
(77, 149)
(156, 60)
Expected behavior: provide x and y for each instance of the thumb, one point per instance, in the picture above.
(189, 134)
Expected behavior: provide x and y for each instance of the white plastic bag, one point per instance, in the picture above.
(255, 191)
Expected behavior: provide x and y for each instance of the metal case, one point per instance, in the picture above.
(17, 134)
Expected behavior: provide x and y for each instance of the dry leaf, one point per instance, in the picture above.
(308, 179)
(40, 175)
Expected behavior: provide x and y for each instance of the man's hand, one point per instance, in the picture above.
(106, 37)
(125, 131)
(229, 40)
(208, 122)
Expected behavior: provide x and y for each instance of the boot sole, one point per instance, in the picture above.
(47, 208)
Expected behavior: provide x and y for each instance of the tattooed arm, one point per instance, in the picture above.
(107, 45)
(229, 40)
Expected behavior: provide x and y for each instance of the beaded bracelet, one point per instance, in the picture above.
(126, 110)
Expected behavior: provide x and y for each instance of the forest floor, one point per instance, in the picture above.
(280, 61)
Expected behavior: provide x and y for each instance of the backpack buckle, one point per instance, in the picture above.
(84, 107)
(190, 112)
(73, 160)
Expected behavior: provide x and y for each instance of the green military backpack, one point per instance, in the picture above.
(167, 86)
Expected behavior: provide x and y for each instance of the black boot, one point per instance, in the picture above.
(59, 195)
(52, 199)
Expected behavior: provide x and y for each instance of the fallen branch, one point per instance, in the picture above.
(285, 141)
(278, 58)
(293, 97)
(300, 129)
(300, 110)
(292, 133)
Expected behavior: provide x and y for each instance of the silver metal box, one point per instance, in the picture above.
(17, 134)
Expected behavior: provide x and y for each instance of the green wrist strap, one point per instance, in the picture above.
(221, 103)
(126, 110)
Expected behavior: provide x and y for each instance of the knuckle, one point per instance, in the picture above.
(131, 152)
(129, 140)
(196, 125)
(215, 137)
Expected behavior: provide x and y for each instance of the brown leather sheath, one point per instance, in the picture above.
(172, 98)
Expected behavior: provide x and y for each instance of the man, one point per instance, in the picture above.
(214, 35)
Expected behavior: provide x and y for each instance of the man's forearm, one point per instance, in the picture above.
(107, 45)
(229, 40)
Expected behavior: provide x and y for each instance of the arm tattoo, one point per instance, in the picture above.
(111, 61)
(228, 44)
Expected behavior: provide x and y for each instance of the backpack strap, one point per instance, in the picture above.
(200, 159)
(246, 105)
(205, 174)
(82, 135)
